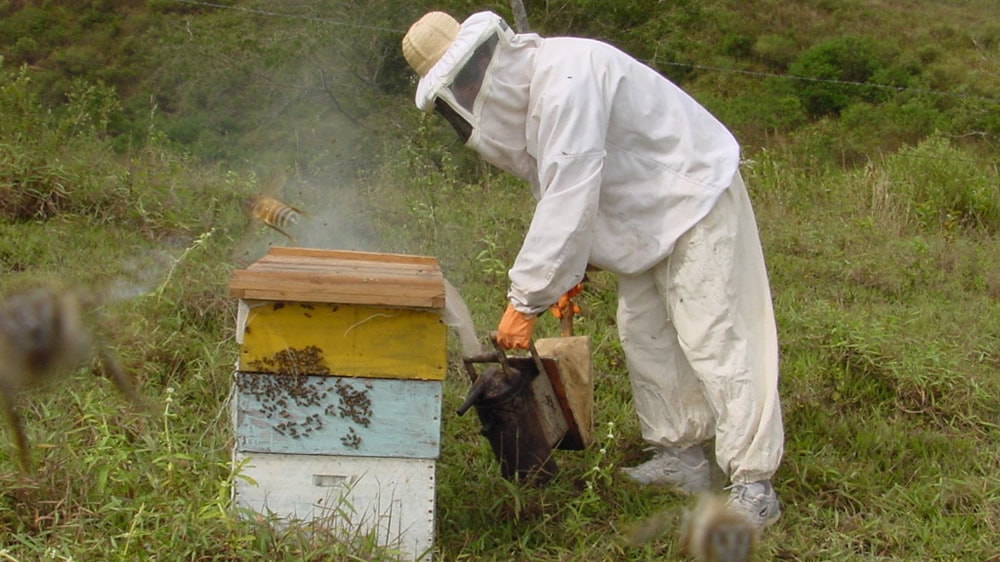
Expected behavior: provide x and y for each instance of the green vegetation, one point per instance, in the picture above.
(130, 132)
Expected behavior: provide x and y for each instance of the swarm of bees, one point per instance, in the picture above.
(46, 333)
(273, 213)
(711, 532)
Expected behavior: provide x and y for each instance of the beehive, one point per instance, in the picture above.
(338, 387)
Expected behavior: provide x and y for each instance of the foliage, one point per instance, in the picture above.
(936, 185)
(62, 163)
(838, 70)
(67, 40)
(776, 50)
(35, 180)
(134, 131)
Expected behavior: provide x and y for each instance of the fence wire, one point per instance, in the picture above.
(722, 70)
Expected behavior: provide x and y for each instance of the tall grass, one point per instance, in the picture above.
(885, 288)
(888, 325)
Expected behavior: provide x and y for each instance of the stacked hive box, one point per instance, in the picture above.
(338, 391)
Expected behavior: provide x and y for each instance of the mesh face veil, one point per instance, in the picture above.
(465, 87)
(461, 126)
(457, 79)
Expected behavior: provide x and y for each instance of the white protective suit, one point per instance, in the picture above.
(633, 176)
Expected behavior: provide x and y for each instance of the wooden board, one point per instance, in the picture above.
(347, 340)
(551, 416)
(333, 276)
(356, 497)
(337, 415)
(568, 361)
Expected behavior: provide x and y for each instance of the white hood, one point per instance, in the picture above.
(498, 127)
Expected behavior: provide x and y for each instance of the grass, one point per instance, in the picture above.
(888, 331)
(885, 287)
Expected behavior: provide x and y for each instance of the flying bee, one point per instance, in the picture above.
(715, 533)
(273, 213)
(45, 333)
(711, 532)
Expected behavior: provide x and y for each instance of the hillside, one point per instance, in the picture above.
(133, 133)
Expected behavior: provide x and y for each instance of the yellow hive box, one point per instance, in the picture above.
(330, 312)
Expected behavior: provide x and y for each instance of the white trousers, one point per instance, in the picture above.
(701, 343)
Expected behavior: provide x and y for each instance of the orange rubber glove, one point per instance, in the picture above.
(515, 329)
(565, 302)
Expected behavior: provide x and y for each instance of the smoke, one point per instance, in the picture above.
(334, 216)
(456, 316)
(295, 92)
(317, 121)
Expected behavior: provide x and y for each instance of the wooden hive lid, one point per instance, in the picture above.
(343, 277)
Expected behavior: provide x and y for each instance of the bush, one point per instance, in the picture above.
(777, 51)
(867, 130)
(835, 74)
(737, 46)
(940, 186)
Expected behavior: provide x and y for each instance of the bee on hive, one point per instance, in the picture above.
(715, 533)
(46, 333)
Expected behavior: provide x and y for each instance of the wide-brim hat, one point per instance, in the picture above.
(428, 39)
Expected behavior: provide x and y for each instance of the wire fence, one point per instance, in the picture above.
(708, 68)
(693, 66)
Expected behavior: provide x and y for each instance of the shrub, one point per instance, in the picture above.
(939, 185)
(737, 46)
(835, 72)
(873, 129)
(777, 51)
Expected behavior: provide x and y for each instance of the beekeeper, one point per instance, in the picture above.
(632, 176)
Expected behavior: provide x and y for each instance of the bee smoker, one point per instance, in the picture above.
(519, 411)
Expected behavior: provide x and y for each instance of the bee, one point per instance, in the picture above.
(711, 532)
(273, 213)
(715, 533)
(45, 333)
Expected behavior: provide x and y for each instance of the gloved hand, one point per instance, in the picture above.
(515, 329)
(565, 304)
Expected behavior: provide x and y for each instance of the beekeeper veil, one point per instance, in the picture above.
(477, 75)
(452, 61)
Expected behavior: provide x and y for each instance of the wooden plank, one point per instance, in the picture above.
(343, 340)
(551, 415)
(327, 281)
(292, 295)
(330, 288)
(568, 361)
(337, 415)
(313, 275)
(278, 251)
(391, 500)
(372, 268)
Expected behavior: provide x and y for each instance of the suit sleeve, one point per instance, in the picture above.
(572, 113)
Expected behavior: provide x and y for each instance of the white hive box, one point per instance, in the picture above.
(338, 389)
(392, 499)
